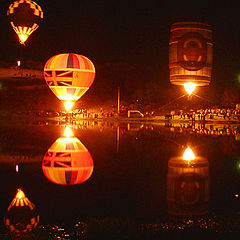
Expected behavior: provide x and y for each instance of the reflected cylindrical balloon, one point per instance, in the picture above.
(187, 186)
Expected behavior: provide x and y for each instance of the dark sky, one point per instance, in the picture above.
(126, 31)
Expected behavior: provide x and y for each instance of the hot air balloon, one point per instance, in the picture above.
(190, 54)
(188, 185)
(67, 161)
(69, 75)
(22, 216)
(25, 17)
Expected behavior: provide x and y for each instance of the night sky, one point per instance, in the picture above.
(126, 31)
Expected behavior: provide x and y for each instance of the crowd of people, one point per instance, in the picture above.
(205, 114)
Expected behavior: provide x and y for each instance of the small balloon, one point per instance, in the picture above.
(25, 17)
(22, 216)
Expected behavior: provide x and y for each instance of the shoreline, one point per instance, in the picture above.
(10, 116)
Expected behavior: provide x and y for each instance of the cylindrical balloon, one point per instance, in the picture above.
(190, 53)
(67, 162)
(22, 216)
(69, 75)
(25, 17)
(187, 186)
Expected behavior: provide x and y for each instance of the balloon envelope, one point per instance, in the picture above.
(190, 53)
(69, 75)
(25, 17)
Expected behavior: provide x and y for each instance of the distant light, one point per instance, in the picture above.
(18, 63)
(188, 154)
(238, 165)
(236, 195)
(189, 87)
(68, 105)
(17, 168)
(68, 132)
(238, 78)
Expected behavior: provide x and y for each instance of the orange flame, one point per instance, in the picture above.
(68, 132)
(68, 105)
(188, 154)
(20, 194)
(189, 87)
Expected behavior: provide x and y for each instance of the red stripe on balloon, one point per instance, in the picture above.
(86, 175)
(85, 62)
(74, 176)
(75, 61)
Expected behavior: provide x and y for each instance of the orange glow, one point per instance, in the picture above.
(66, 140)
(188, 154)
(68, 105)
(22, 38)
(189, 87)
(68, 132)
(18, 63)
(20, 194)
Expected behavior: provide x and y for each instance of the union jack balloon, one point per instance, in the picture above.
(69, 75)
(67, 162)
(25, 17)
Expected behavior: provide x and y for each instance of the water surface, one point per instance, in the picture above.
(123, 170)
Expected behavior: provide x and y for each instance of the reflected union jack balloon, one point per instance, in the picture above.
(69, 75)
(67, 162)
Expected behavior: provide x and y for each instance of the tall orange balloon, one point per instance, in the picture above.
(67, 162)
(69, 75)
(190, 54)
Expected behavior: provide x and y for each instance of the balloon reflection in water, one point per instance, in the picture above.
(67, 161)
(188, 185)
(22, 216)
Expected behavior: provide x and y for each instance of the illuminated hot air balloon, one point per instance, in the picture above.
(190, 54)
(188, 185)
(22, 216)
(69, 76)
(67, 161)
(25, 17)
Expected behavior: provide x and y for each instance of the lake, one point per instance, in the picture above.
(121, 172)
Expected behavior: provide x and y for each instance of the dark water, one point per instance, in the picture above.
(133, 173)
